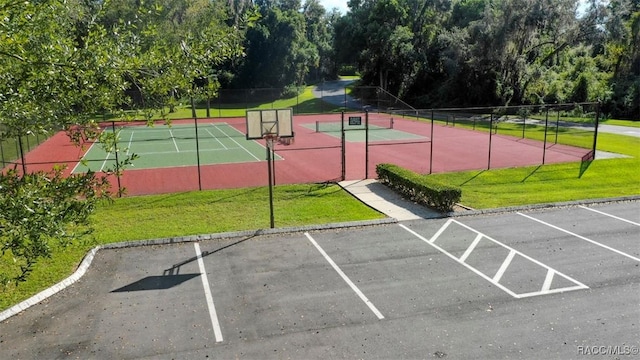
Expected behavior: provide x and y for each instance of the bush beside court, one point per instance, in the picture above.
(421, 189)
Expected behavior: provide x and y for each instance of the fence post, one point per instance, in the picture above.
(595, 130)
(115, 152)
(490, 138)
(24, 165)
(195, 120)
(546, 127)
(431, 150)
(343, 147)
(366, 145)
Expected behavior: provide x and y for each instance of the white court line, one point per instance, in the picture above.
(130, 141)
(207, 293)
(345, 278)
(186, 151)
(512, 253)
(609, 215)
(234, 140)
(216, 138)
(174, 140)
(581, 237)
(85, 154)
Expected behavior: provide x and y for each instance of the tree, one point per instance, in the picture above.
(63, 61)
(56, 67)
(278, 51)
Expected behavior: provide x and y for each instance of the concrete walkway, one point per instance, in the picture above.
(383, 199)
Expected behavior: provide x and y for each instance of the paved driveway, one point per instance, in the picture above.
(552, 284)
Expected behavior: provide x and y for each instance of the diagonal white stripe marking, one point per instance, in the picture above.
(471, 247)
(547, 281)
(581, 237)
(504, 266)
(437, 234)
(207, 293)
(578, 286)
(345, 278)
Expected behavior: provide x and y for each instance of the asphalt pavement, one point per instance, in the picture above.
(553, 283)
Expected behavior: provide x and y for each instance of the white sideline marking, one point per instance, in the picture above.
(130, 140)
(345, 278)
(243, 148)
(207, 293)
(471, 247)
(609, 215)
(505, 264)
(216, 138)
(581, 237)
(174, 140)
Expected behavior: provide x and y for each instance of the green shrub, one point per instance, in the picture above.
(419, 188)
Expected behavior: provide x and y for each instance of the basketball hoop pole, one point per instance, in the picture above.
(269, 140)
(270, 125)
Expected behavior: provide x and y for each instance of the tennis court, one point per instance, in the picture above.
(164, 146)
(372, 129)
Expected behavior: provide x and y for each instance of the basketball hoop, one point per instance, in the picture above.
(271, 139)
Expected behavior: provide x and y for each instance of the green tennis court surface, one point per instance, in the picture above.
(379, 130)
(177, 145)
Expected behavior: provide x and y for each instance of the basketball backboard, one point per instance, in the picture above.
(272, 122)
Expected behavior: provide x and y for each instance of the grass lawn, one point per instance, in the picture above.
(555, 182)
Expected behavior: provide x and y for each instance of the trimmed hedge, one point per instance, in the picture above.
(419, 188)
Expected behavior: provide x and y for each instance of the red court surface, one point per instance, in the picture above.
(317, 157)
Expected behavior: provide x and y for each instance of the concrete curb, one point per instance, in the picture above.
(541, 206)
(88, 259)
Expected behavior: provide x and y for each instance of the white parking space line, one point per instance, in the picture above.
(495, 280)
(346, 278)
(609, 215)
(207, 293)
(581, 237)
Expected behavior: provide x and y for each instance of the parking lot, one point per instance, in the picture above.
(555, 283)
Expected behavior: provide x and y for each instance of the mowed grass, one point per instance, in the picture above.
(191, 213)
(607, 178)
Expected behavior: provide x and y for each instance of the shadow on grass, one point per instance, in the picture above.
(584, 166)
(531, 173)
(472, 178)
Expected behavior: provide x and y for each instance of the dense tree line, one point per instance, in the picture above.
(488, 52)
